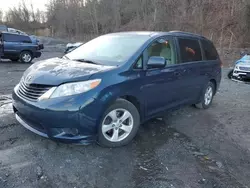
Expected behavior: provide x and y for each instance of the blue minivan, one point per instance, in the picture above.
(103, 90)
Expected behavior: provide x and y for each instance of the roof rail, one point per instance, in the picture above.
(186, 33)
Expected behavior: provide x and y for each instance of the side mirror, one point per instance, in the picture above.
(156, 62)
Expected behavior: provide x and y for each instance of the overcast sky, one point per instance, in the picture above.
(37, 4)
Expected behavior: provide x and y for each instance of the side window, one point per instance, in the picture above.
(163, 48)
(209, 50)
(190, 50)
(24, 39)
(16, 38)
(139, 64)
(7, 37)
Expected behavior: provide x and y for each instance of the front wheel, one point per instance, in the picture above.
(207, 96)
(119, 124)
(26, 57)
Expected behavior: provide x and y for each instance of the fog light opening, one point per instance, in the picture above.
(67, 132)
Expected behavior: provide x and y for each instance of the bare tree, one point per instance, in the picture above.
(226, 22)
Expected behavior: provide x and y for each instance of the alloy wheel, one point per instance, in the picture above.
(208, 95)
(117, 125)
(26, 57)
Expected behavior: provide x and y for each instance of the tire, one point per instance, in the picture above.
(26, 57)
(106, 134)
(14, 59)
(230, 74)
(205, 103)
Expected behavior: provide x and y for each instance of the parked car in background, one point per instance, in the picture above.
(3, 28)
(12, 30)
(18, 47)
(71, 46)
(35, 40)
(241, 70)
(103, 90)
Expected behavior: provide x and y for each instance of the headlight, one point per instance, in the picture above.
(237, 67)
(71, 89)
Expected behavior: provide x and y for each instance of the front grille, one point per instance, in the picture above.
(244, 68)
(32, 91)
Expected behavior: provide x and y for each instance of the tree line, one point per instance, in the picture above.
(226, 22)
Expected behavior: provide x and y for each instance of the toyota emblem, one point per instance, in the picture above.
(28, 79)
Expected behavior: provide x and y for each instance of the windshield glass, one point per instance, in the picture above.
(246, 57)
(109, 49)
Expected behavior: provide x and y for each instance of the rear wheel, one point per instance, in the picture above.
(207, 96)
(119, 124)
(26, 57)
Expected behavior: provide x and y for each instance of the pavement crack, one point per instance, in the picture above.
(8, 126)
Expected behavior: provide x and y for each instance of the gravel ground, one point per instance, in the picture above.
(187, 148)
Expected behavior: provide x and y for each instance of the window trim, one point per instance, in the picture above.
(179, 49)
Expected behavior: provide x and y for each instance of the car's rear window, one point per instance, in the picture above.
(16, 38)
(209, 50)
(190, 50)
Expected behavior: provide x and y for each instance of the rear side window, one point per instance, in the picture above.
(16, 38)
(190, 50)
(209, 50)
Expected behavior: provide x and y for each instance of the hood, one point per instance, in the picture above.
(56, 71)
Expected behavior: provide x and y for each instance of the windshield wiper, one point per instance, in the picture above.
(87, 61)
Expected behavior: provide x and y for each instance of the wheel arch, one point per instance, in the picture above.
(135, 102)
(26, 50)
(215, 85)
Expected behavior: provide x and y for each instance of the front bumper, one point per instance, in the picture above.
(37, 54)
(239, 74)
(66, 119)
(40, 46)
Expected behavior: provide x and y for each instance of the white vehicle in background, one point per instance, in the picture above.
(12, 30)
(71, 46)
(242, 69)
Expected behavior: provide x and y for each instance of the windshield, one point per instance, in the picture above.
(246, 57)
(109, 49)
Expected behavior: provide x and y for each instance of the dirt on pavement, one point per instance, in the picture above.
(187, 148)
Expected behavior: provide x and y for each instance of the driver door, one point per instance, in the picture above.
(161, 88)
